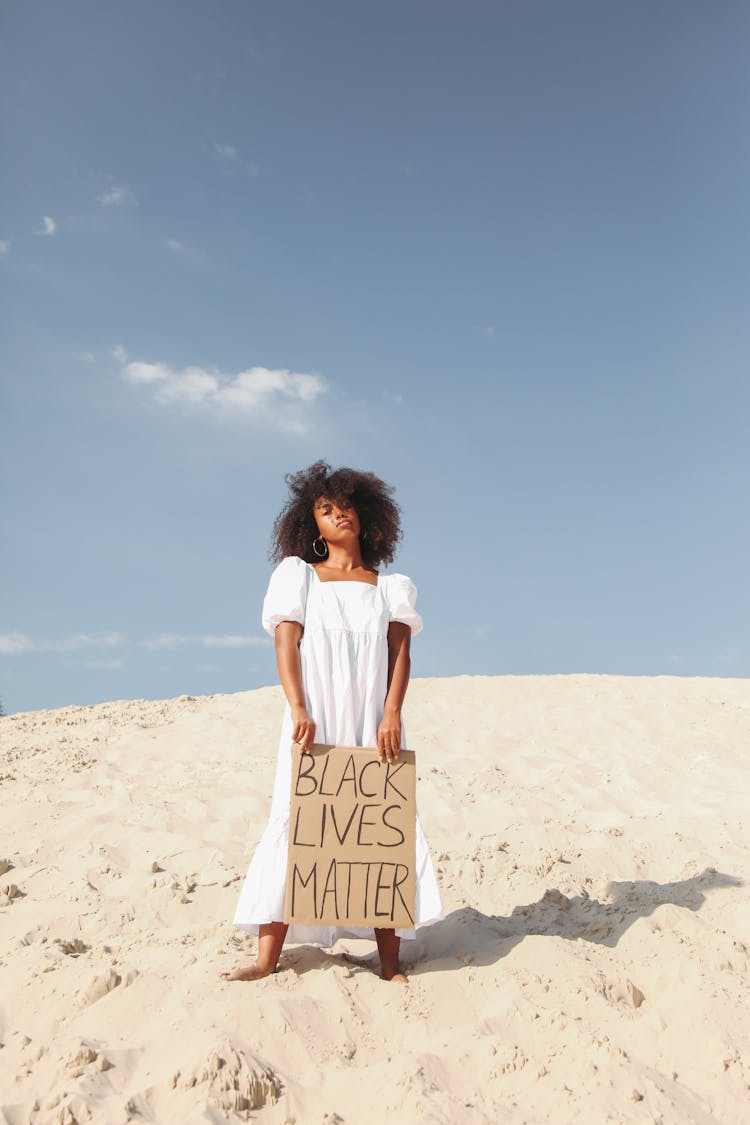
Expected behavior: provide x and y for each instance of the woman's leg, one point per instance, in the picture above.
(270, 942)
(388, 947)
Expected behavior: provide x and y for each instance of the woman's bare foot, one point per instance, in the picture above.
(270, 942)
(388, 948)
(252, 972)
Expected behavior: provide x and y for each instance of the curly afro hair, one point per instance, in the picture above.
(380, 517)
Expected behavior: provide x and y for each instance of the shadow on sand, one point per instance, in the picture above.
(468, 936)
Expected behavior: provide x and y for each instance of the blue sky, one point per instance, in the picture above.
(495, 252)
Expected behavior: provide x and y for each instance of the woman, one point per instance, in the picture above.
(342, 634)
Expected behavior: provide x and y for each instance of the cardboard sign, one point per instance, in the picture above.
(352, 849)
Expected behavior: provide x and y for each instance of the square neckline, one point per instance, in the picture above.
(344, 581)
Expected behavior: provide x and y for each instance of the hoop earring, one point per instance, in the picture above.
(320, 554)
(363, 536)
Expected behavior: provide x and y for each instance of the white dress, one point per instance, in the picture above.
(344, 658)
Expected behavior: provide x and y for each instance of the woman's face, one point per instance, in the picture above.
(337, 520)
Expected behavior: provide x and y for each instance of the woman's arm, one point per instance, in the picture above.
(399, 670)
(287, 637)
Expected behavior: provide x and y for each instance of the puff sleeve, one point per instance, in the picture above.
(401, 595)
(286, 594)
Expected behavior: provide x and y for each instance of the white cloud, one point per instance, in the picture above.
(292, 425)
(191, 385)
(281, 397)
(167, 640)
(252, 387)
(230, 157)
(46, 227)
(226, 152)
(231, 640)
(226, 640)
(81, 640)
(116, 195)
(4, 247)
(14, 642)
(143, 372)
(19, 642)
(174, 244)
(86, 357)
(393, 397)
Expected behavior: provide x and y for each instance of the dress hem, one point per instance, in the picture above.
(333, 933)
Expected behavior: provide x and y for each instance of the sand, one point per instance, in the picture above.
(592, 840)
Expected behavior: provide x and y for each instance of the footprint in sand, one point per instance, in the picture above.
(104, 983)
(83, 1055)
(10, 893)
(234, 1081)
(72, 947)
(618, 990)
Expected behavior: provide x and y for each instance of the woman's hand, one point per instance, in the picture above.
(389, 736)
(303, 729)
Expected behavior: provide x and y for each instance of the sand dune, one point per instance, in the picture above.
(593, 846)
